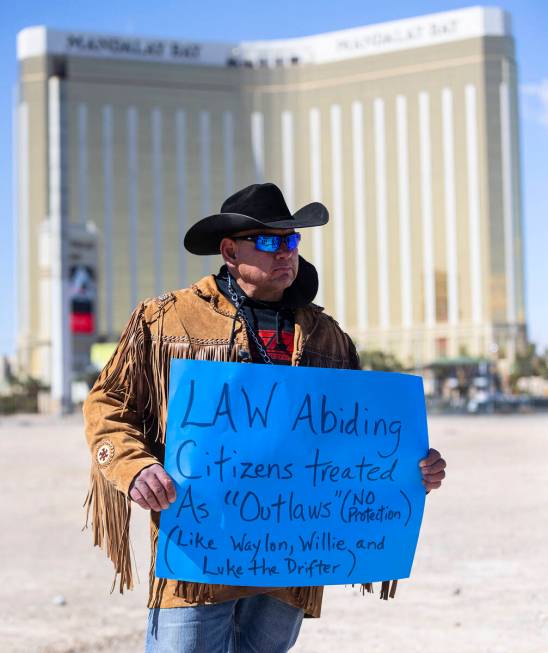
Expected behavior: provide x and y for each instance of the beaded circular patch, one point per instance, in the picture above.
(105, 453)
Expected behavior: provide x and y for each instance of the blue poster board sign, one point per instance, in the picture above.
(290, 476)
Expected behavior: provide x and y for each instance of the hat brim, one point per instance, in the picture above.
(204, 237)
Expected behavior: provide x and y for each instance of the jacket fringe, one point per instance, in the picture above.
(161, 354)
(388, 589)
(110, 512)
(307, 597)
(194, 592)
(124, 370)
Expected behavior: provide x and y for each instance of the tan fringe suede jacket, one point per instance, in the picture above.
(125, 417)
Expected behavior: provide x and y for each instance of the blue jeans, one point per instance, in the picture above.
(256, 624)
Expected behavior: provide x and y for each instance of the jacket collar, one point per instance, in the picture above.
(206, 288)
(306, 314)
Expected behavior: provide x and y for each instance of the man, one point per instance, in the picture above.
(258, 309)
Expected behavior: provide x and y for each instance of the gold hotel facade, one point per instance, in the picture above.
(407, 131)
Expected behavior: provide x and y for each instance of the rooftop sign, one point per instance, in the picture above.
(371, 40)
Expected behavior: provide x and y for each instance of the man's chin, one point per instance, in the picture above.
(284, 271)
(284, 278)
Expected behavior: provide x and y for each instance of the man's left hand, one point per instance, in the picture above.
(433, 470)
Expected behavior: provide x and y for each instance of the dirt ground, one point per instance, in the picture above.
(479, 583)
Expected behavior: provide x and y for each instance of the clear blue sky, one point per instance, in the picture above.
(245, 19)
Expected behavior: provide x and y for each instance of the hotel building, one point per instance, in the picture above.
(406, 130)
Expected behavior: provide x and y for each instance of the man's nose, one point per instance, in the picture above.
(284, 251)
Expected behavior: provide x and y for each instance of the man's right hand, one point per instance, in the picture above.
(153, 488)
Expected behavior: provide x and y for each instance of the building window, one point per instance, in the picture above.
(58, 67)
(441, 295)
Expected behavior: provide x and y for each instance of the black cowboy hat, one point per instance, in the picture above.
(255, 207)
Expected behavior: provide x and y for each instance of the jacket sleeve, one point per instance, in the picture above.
(114, 415)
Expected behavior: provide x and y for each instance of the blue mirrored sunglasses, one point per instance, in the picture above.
(272, 243)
